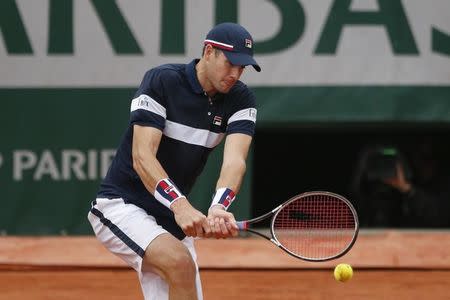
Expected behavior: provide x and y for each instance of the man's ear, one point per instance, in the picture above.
(209, 50)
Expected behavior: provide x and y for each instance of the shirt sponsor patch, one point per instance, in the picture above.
(147, 103)
(217, 120)
(244, 114)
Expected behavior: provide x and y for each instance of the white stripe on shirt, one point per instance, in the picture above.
(191, 135)
(148, 103)
(244, 114)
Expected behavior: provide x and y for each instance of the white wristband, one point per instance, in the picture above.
(223, 197)
(166, 192)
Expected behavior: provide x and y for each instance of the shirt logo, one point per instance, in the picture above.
(217, 120)
(144, 101)
(248, 43)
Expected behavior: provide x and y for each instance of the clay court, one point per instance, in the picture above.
(388, 264)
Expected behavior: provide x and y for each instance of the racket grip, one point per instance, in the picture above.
(242, 225)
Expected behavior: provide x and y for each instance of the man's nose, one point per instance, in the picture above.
(235, 71)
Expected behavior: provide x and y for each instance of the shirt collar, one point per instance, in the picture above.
(192, 77)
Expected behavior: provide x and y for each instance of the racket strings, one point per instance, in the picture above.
(315, 226)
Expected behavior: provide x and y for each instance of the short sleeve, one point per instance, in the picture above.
(148, 108)
(243, 117)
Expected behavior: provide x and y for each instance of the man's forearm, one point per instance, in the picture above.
(232, 174)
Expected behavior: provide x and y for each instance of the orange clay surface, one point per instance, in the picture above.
(387, 264)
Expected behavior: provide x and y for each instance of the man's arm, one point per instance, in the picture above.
(145, 146)
(232, 172)
(234, 165)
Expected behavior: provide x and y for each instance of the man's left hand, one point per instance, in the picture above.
(222, 223)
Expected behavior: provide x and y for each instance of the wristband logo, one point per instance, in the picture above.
(227, 201)
(168, 190)
(227, 198)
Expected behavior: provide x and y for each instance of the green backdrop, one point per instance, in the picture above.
(325, 63)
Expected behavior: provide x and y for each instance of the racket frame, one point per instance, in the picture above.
(244, 225)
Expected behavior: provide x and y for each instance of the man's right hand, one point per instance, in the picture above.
(192, 222)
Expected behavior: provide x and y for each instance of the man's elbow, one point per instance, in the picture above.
(239, 165)
(243, 166)
(138, 161)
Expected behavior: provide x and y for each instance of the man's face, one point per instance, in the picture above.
(221, 73)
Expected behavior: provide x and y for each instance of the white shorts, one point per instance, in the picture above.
(126, 230)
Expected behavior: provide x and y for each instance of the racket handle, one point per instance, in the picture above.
(242, 225)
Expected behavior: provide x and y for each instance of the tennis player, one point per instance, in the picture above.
(180, 113)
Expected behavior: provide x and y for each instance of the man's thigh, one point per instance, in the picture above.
(124, 229)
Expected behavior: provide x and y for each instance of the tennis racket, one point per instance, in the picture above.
(313, 226)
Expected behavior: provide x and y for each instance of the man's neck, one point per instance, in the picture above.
(202, 78)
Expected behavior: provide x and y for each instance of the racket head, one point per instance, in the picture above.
(316, 226)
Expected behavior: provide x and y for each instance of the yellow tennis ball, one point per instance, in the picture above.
(343, 272)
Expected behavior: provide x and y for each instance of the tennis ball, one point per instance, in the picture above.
(343, 272)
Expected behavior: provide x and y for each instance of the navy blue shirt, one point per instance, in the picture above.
(171, 99)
